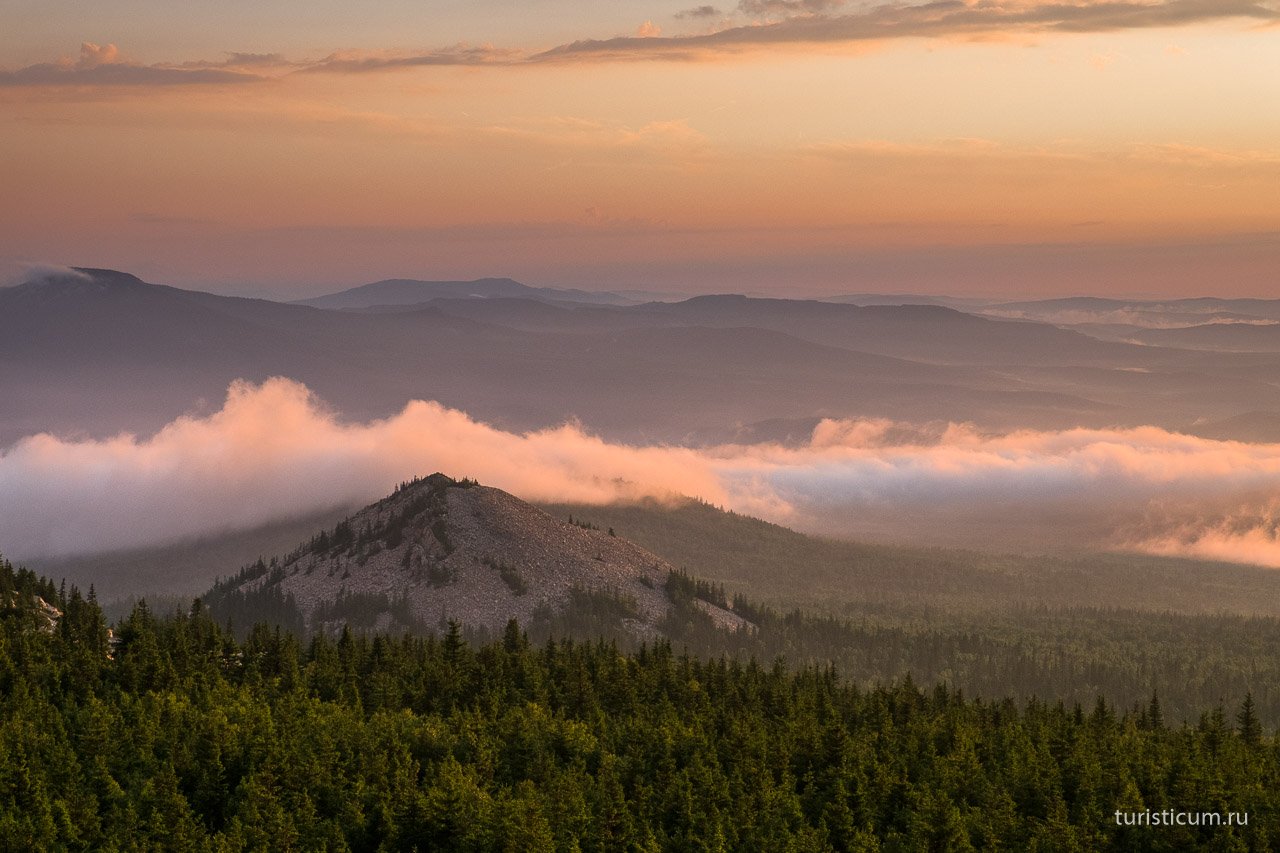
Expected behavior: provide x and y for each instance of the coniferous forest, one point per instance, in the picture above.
(173, 734)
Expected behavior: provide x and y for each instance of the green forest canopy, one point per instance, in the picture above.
(178, 736)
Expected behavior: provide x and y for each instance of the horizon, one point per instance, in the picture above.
(23, 272)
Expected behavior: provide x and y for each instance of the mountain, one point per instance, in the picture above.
(95, 352)
(959, 302)
(98, 351)
(179, 571)
(766, 562)
(101, 351)
(919, 332)
(930, 333)
(406, 292)
(440, 550)
(1221, 337)
(991, 626)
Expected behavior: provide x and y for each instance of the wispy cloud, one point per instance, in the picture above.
(38, 271)
(102, 65)
(105, 66)
(774, 23)
(262, 62)
(787, 7)
(699, 12)
(356, 62)
(806, 22)
(1247, 533)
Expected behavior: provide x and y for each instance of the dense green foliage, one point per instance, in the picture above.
(1192, 661)
(175, 736)
(787, 569)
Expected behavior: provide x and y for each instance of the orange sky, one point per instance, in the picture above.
(805, 146)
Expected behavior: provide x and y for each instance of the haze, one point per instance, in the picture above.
(151, 414)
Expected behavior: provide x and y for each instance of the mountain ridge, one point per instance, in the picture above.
(101, 352)
(438, 550)
(404, 293)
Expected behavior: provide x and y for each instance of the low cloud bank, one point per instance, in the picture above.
(1244, 533)
(1140, 317)
(274, 451)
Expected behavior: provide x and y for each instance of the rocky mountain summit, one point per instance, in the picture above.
(441, 550)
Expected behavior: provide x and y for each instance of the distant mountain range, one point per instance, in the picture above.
(399, 293)
(96, 351)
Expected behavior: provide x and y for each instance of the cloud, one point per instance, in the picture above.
(32, 272)
(787, 7)
(1248, 532)
(92, 55)
(699, 12)
(940, 19)
(356, 62)
(1257, 546)
(274, 451)
(257, 62)
(102, 65)
(777, 23)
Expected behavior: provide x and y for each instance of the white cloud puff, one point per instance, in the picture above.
(274, 451)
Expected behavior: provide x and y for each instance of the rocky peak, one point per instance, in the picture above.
(439, 550)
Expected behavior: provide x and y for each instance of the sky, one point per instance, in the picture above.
(791, 147)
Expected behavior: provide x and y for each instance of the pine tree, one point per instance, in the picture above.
(1247, 723)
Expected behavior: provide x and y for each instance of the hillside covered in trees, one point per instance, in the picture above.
(441, 550)
(173, 735)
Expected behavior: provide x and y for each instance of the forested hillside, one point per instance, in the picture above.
(782, 567)
(1193, 662)
(173, 735)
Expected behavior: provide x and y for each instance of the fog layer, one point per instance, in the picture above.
(274, 451)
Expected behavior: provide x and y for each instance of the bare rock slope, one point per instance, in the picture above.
(440, 550)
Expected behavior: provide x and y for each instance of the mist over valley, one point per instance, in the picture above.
(893, 423)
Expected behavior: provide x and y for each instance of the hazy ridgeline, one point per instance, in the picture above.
(100, 351)
(887, 422)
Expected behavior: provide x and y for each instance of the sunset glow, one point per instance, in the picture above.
(784, 147)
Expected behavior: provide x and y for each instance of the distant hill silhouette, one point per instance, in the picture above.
(401, 292)
(94, 351)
